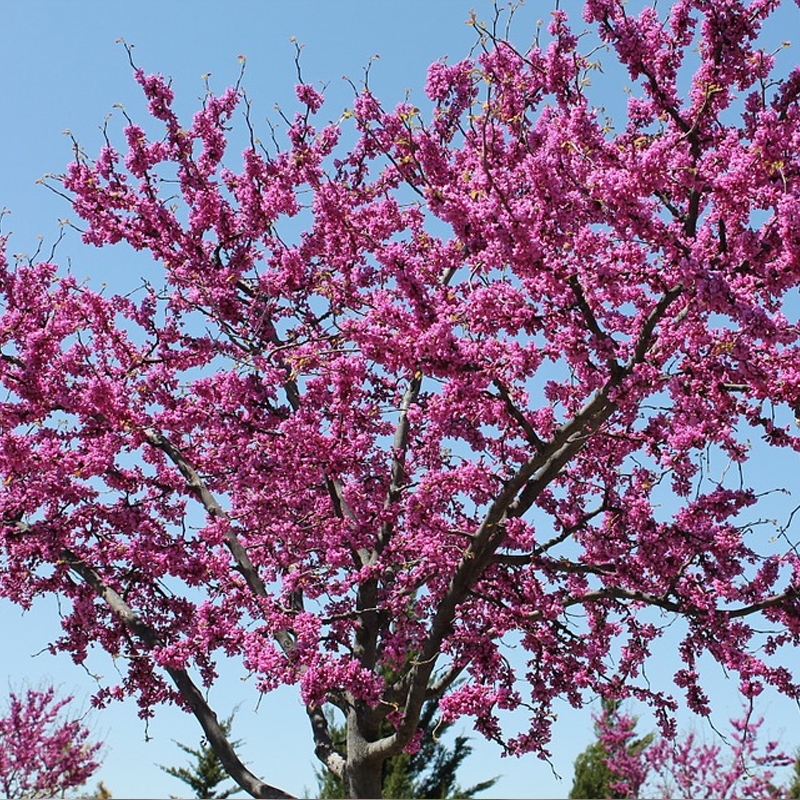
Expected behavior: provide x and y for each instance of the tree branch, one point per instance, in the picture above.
(397, 475)
(180, 677)
(518, 416)
(324, 748)
(618, 593)
(437, 689)
(515, 498)
(200, 490)
(591, 321)
(284, 638)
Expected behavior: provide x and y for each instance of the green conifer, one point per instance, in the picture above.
(207, 773)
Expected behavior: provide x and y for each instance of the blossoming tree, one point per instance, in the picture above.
(688, 768)
(43, 752)
(472, 404)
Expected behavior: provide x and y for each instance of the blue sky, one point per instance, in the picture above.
(62, 68)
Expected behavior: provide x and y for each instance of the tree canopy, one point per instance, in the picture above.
(423, 388)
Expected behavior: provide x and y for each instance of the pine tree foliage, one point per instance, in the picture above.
(793, 790)
(101, 792)
(207, 772)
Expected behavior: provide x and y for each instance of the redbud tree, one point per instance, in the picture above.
(44, 751)
(689, 768)
(422, 385)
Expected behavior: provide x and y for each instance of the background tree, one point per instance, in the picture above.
(465, 382)
(430, 772)
(207, 771)
(738, 765)
(101, 792)
(44, 751)
(793, 790)
(594, 777)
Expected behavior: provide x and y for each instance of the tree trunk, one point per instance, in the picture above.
(363, 775)
(363, 779)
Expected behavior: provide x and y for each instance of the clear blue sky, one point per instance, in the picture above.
(60, 68)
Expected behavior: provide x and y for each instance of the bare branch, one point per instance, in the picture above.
(618, 593)
(439, 687)
(324, 748)
(769, 602)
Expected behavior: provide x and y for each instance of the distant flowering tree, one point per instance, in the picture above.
(613, 766)
(43, 751)
(740, 766)
(457, 406)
